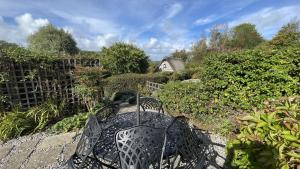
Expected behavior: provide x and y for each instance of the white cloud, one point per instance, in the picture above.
(95, 25)
(152, 42)
(158, 48)
(95, 43)
(203, 21)
(18, 33)
(269, 20)
(174, 10)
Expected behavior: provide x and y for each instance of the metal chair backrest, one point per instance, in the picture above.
(150, 103)
(140, 147)
(83, 154)
(107, 112)
(188, 145)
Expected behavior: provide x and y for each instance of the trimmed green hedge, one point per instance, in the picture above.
(131, 82)
(179, 97)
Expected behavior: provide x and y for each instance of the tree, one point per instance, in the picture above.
(215, 38)
(180, 54)
(124, 58)
(288, 35)
(199, 50)
(244, 36)
(4, 44)
(52, 40)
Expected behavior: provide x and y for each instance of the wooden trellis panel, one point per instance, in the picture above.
(28, 86)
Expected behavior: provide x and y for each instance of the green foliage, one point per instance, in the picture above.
(44, 114)
(70, 123)
(4, 44)
(243, 80)
(88, 55)
(124, 58)
(89, 85)
(77, 121)
(15, 124)
(130, 82)
(288, 35)
(189, 98)
(49, 39)
(199, 51)
(269, 138)
(180, 54)
(20, 54)
(244, 36)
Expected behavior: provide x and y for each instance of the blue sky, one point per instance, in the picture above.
(157, 26)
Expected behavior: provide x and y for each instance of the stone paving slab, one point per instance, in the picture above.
(4, 151)
(56, 140)
(42, 158)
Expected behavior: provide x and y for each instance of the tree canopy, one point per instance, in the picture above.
(288, 35)
(244, 36)
(199, 50)
(180, 54)
(49, 39)
(124, 58)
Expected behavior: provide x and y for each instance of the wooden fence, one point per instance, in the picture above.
(27, 86)
(152, 86)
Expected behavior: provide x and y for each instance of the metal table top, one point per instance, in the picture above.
(181, 147)
(106, 150)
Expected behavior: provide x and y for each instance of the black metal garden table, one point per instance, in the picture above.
(181, 145)
(106, 151)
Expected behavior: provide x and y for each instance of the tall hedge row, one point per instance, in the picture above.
(240, 81)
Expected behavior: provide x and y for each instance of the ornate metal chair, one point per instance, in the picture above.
(189, 149)
(140, 147)
(83, 158)
(150, 103)
(107, 112)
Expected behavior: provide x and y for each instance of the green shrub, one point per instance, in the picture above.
(130, 82)
(122, 58)
(243, 80)
(14, 124)
(70, 123)
(269, 138)
(44, 114)
(77, 121)
(189, 98)
(89, 85)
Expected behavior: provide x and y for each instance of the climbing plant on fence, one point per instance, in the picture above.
(33, 77)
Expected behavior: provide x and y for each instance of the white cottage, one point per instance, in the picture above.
(171, 65)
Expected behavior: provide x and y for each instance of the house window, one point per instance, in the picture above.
(164, 66)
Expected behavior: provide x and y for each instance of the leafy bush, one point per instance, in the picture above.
(124, 58)
(14, 124)
(243, 80)
(181, 97)
(38, 118)
(44, 114)
(49, 39)
(77, 121)
(269, 138)
(70, 123)
(89, 85)
(130, 82)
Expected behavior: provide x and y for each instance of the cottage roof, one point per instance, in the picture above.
(176, 64)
